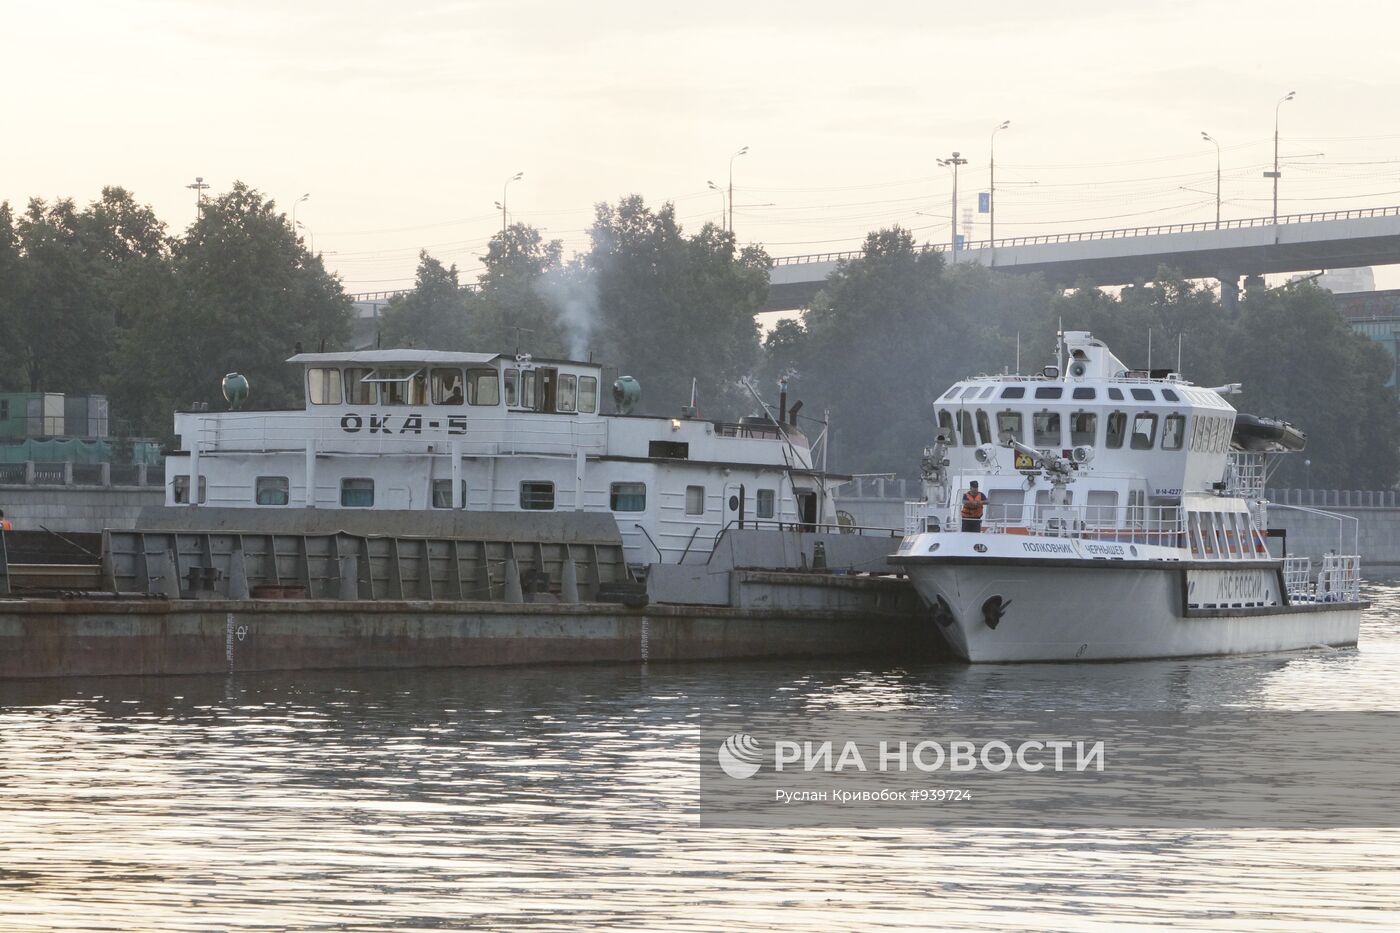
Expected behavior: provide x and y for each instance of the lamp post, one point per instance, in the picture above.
(199, 187)
(504, 189)
(1275, 173)
(992, 194)
(1211, 139)
(954, 161)
(723, 205)
(295, 205)
(744, 151)
(310, 237)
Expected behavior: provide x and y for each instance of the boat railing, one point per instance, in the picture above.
(1297, 578)
(1245, 474)
(1338, 581)
(1153, 524)
(390, 432)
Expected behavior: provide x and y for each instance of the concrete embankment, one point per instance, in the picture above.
(77, 637)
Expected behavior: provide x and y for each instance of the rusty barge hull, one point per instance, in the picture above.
(98, 637)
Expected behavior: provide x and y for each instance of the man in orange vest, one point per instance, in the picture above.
(973, 502)
(5, 523)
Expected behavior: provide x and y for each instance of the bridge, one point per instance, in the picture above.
(1225, 251)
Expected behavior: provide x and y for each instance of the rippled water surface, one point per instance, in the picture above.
(564, 798)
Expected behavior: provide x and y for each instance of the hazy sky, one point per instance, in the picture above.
(403, 119)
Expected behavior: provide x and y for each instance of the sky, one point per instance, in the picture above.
(403, 120)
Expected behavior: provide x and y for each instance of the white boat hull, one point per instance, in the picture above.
(1078, 610)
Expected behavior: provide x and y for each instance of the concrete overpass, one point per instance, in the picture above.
(1227, 252)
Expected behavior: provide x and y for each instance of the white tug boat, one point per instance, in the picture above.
(485, 432)
(1124, 519)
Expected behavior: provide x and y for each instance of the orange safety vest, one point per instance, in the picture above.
(973, 501)
(5, 525)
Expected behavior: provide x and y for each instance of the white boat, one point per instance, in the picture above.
(485, 432)
(1124, 519)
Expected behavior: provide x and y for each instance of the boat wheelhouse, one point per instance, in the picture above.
(1120, 504)
(420, 429)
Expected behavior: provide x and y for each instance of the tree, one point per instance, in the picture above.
(530, 300)
(11, 288)
(671, 308)
(433, 315)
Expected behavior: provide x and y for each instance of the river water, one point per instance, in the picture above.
(565, 798)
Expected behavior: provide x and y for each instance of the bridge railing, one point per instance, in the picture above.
(1359, 213)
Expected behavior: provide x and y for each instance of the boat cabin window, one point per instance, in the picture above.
(1173, 432)
(986, 392)
(1144, 431)
(669, 450)
(1046, 427)
(448, 387)
(969, 392)
(483, 387)
(1102, 508)
(766, 500)
(1169, 395)
(945, 427)
(695, 500)
(1083, 425)
(984, 427)
(537, 496)
(1049, 391)
(627, 497)
(512, 379)
(1009, 424)
(357, 493)
(969, 436)
(1084, 393)
(951, 392)
(271, 490)
(1117, 428)
(1006, 505)
(527, 388)
(567, 397)
(357, 391)
(442, 493)
(1143, 395)
(588, 394)
(1115, 394)
(323, 386)
(1013, 392)
(400, 386)
(182, 490)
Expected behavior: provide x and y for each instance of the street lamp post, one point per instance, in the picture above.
(504, 189)
(992, 194)
(744, 151)
(723, 205)
(295, 205)
(1275, 173)
(310, 237)
(954, 161)
(199, 187)
(1211, 139)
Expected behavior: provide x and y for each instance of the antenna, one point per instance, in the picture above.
(1018, 353)
(1149, 349)
(1178, 353)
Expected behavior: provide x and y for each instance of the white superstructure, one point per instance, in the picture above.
(1124, 518)
(421, 429)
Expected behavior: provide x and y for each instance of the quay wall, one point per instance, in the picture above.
(56, 638)
(76, 508)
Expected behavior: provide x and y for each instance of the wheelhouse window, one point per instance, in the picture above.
(945, 427)
(627, 497)
(1169, 395)
(357, 493)
(442, 493)
(448, 388)
(271, 490)
(1115, 394)
(1009, 424)
(588, 394)
(1049, 391)
(970, 391)
(1046, 427)
(1083, 393)
(357, 391)
(537, 496)
(512, 380)
(527, 389)
(401, 386)
(695, 500)
(1013, 392)
(1083, 425)
(1143, 395)
(483, 387)
(765, 503)
(1173, 432)
(1117, 429)
(566, 398)
(951, 392)
(1144, 431)
(182, 490)
(323, 386)
(984, 427)
(969, 436)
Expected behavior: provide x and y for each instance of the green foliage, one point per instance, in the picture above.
(433, 315)
(526, 295)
